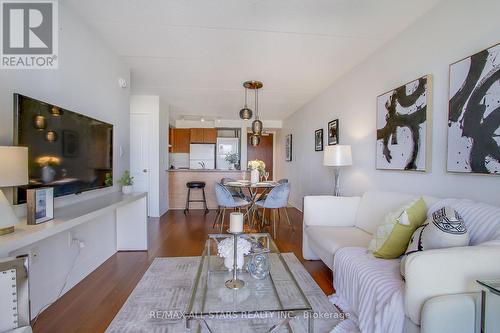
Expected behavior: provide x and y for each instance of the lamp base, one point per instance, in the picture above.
(7, 230)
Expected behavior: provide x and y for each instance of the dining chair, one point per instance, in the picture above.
(235, 192)
(275, 200)
(282, 181)
(226, 200)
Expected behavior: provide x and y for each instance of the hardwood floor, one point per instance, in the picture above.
(92, 304)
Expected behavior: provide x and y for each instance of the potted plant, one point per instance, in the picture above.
(257, 167)
(232, 159)
(126, 182)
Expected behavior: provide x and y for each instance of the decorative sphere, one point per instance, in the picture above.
(257, 127)
(246, 113)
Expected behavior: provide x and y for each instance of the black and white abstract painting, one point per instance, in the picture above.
(402, 121)
(474, 114)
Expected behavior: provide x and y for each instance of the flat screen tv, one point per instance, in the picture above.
(68, 151)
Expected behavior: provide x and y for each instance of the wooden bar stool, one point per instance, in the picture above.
(195, 185)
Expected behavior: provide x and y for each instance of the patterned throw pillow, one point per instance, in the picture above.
(391, 238)
(445, 228)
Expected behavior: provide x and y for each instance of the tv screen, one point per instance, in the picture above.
(68, 151)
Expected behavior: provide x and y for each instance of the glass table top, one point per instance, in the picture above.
(492, 285)
(278, 292)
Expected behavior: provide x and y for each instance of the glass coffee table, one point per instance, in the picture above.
(266, 305)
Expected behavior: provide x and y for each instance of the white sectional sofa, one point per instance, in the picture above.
(438, 293)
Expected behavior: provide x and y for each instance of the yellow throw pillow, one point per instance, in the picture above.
(393, 235)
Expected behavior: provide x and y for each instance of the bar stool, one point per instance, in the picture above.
(195, 185)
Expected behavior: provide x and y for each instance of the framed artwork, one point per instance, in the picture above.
(474, 114)
(70, 143)
(40, 202)
(288, 148)
(318, 139)
(403, 117)
(333, 132)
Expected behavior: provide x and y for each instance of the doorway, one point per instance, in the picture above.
(263, 152)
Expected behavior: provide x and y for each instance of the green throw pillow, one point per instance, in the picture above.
(393, 235)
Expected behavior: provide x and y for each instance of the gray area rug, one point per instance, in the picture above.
(162, 295)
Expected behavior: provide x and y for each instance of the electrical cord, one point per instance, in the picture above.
(62, 288)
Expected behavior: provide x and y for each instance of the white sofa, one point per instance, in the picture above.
(439, 291)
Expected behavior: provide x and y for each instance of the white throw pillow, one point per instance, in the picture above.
(445, 228)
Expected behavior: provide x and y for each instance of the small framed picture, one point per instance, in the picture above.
(333, 132)
(288, 148)
(40, 203)
(318, 139)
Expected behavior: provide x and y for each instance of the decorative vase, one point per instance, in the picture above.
(48, 174)
(228, 261)
(127, 189)
(254, 176)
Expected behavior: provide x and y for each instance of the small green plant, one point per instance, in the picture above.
(108, 181)
(126, 180)
(232, 158)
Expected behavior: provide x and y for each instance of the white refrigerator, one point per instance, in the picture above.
(202, 156)
(226, 146)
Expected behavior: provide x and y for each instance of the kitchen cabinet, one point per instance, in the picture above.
(210, 135)
(180, 138)
(203, 135)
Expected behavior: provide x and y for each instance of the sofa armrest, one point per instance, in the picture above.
(446, 271)
(325, 210)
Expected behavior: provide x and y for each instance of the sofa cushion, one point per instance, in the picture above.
(325, 241)
(375, 205)
(391, 238)
(445, 228)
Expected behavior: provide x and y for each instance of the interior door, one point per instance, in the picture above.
(263, 152)
(139, 151)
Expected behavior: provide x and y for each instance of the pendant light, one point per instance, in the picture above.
(254, 140)
(257, 124)
(246, 113)
(39, 122)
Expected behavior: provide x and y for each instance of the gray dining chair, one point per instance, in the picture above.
(282, 181)
(226, 200)
(275, 200)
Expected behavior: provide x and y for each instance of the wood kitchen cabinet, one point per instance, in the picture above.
(180, 138)
(203, 135)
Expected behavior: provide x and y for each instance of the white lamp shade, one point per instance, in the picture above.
(337, 156)
(13, 166)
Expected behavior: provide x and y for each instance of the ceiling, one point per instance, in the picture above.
(195, 54)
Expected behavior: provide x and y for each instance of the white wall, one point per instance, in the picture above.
(454, 29)
(158, 152)
(86, 82)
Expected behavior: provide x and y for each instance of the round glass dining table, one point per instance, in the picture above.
(253, 189)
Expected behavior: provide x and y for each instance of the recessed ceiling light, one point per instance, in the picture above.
(202, 119)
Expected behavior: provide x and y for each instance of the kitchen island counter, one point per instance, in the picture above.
(177, 189)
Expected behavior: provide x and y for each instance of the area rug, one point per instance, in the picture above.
(161, 296)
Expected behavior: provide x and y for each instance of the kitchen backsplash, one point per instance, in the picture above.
(179, 160)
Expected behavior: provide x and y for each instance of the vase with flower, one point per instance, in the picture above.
(47, 163)
(257, 168)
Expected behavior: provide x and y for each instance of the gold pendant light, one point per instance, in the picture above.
(257, 125)
(246, 113)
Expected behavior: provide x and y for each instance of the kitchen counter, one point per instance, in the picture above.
(177, 189)
(205, 170)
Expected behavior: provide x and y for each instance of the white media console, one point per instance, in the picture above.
(79, 239)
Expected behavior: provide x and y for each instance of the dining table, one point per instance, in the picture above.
(253, 189)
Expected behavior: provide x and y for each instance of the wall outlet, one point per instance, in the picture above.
(34, 255)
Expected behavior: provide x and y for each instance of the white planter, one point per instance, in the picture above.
(254, 176)
(127, 189)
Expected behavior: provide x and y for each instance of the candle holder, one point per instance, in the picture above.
(234, 282)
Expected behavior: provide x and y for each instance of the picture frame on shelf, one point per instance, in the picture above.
(40, 204)
(333, 132)
(288, 148)
(318, 140)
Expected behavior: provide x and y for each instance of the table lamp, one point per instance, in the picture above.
(13, 172)
(337, 156)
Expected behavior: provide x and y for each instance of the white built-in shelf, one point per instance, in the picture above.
(65, 218)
